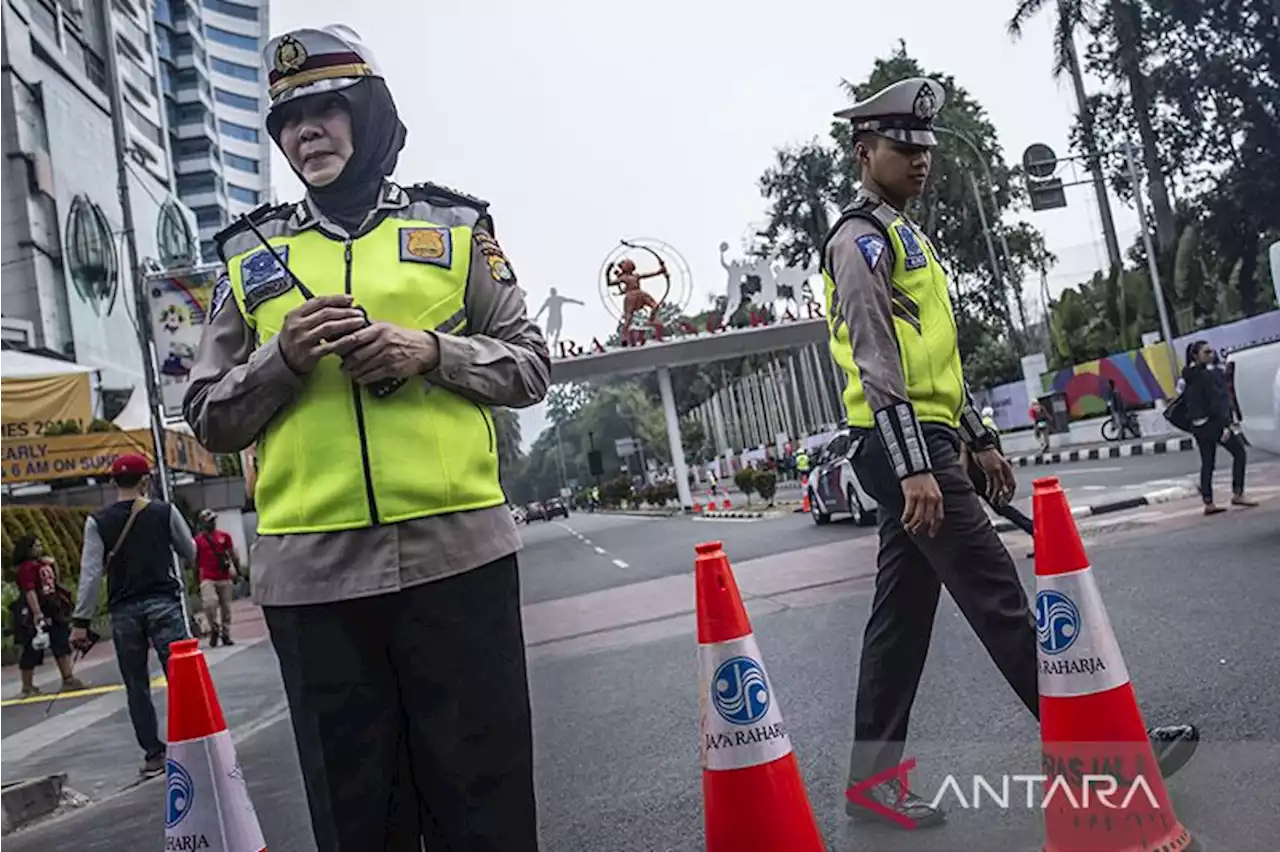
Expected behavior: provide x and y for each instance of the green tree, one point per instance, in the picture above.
(808, 182)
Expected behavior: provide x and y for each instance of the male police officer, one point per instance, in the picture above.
(385, 562)
(893, 332)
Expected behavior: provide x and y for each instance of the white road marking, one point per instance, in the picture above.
(1079, 470)
(586, 540)
(600, 550)
(620, 563)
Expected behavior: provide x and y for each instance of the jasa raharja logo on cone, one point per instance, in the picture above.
(739, 691)
(746, 728)
(180, 798)
(179, 793)
(1074, 635)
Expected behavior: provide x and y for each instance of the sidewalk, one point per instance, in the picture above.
(1106, 450)
(98, 668)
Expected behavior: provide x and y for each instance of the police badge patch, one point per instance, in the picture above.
(872, 247)
(221, 291)
(262, 278)
(915, 258)
(427, 245)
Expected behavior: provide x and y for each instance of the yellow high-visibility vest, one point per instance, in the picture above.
(337, 458)
(922, 318)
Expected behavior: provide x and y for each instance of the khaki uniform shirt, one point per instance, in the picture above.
(237, 387)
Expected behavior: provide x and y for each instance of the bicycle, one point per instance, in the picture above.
(1129, 426)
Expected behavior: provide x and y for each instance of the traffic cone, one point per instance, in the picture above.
(1104, 791)
(206, 801)
(697, 507)
(753, 796)
(805, 506)
(727, 504)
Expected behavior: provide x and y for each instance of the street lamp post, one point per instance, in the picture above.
(991, 190)
(142, 313)
(1152, 266)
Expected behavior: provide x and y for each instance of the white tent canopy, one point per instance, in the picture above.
(25, 365)
(135, 414)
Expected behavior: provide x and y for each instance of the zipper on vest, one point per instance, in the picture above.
(355, 394)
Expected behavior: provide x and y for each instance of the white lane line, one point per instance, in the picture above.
(620, 563)
(600, 550)
(1079, 470)
(585, 540)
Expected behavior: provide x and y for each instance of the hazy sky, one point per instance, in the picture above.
(584, 121)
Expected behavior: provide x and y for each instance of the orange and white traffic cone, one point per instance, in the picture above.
(1104, 791)
(206, 801)
(753, 796)
(805, 506)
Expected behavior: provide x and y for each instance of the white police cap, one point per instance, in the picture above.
(308, 61)
(903, 112)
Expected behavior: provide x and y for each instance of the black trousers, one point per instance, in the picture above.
(969, 559)
(411, 715)
(1208, 437)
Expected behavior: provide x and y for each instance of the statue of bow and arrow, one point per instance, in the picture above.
(626, 281)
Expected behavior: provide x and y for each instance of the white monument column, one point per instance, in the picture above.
(673, 438)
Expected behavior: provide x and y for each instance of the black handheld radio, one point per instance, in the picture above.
(380, 389)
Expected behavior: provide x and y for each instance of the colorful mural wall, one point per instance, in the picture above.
(1142, 376)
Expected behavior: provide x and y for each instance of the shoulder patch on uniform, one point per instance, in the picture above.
(499, 266)
(443, 196)
(872, 247)
(915, 258)
(262, 278)
(427, 245)
(221, 291)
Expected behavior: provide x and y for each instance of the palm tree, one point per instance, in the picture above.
(1065, 58)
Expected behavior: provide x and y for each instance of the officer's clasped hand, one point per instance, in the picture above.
(922, 513)
(315, 328)
(384, 351)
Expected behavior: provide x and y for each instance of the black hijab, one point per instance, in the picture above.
(377, 137)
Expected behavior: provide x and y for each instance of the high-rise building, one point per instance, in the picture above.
(215, 92)
(67, 287)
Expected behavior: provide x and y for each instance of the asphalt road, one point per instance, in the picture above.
(1190, 600)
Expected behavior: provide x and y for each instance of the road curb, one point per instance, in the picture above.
(1120, 451)
(1152, 498)
(24, 802)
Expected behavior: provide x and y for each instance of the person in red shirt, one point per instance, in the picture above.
(40, 609)
(219, 566)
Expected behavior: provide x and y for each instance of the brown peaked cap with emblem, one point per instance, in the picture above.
(903, 112)
(309, 61)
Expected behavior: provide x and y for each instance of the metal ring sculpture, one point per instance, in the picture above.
(675, 271)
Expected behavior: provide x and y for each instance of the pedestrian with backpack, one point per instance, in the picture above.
(131, 543)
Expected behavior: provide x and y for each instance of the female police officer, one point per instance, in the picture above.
(385, 562)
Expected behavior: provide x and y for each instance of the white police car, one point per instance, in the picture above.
(834, 487)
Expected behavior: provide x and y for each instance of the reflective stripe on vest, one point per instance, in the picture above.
(337, 458)
(926, 330)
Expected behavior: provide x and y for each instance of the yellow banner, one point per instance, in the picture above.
(73, 456)
(30, 407)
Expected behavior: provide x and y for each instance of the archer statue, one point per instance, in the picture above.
(626, 282)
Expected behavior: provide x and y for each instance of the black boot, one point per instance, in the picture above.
(226, 638)
(890, 796)
(213, 639)
(1173, 746)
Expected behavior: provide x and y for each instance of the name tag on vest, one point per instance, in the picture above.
(263, 278)
(915, 258)
(427, 245)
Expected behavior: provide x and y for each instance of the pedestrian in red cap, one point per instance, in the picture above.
(131, 543)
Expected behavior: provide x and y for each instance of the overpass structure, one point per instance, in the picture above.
(660, 356)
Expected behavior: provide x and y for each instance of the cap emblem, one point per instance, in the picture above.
(926, 105)
(290, 55)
